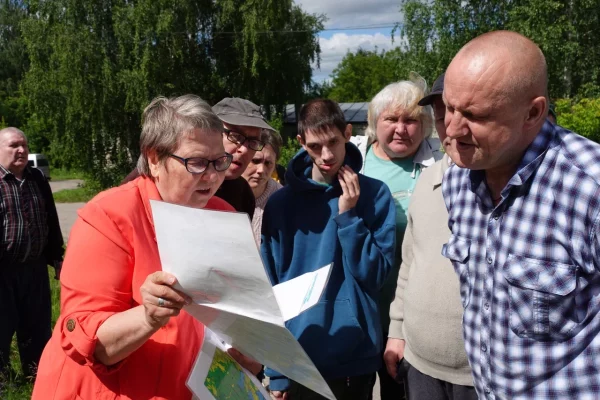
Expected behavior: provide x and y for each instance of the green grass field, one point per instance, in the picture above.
(20, 387)
(61, 174)
(79, 195)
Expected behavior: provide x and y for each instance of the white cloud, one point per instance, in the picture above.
(354, 12)
(336, 47)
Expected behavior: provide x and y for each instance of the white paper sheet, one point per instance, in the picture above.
(216, 375)
(301, 293)
(214, 257)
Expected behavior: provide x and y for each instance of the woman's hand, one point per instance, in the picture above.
(160, 300)
(125, 332)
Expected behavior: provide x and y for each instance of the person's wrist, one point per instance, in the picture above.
(152, 325)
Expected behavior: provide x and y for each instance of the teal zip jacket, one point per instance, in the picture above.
(302, 232)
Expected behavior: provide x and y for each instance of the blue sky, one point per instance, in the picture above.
(351, 13)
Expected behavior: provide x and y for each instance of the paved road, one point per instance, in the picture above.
(67, 212)
(62, 185)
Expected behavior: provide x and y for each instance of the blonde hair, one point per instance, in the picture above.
(401, 96)
(166, 120)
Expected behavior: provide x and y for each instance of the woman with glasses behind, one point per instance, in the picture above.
(122, 331)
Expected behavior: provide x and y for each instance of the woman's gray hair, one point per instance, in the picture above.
(273, 139)
(166, 120)
(401, 96)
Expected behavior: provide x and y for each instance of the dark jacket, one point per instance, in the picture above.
(54, 250)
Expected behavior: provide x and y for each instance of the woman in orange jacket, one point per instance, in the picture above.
(122, 333)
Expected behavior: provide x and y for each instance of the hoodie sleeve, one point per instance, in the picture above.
(368, 246)
(269, 247)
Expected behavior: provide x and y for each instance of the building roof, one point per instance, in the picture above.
(355, 113)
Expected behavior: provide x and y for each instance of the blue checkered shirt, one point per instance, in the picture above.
(529, 271)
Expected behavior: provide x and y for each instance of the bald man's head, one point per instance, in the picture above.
(522, 63)
(495, 91)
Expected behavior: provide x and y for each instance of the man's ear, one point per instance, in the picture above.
(348, 132)
(153, 163)
(301, 141)
(538, 111)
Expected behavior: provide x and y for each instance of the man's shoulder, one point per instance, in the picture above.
(38, 176)
(579, 153)
(455, 175)
(455, 179)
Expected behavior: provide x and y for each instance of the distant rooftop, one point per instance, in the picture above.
(355, 113)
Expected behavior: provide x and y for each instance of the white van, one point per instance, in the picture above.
(40, 162)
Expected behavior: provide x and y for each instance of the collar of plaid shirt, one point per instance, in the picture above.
(528, 271)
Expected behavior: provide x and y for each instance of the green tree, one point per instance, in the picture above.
(14, 62)
(288, 151)
(96, 64)
(567, 32)
(264, 49)
(432, 32)
(318, 90)
(360, 75)
(581, 116)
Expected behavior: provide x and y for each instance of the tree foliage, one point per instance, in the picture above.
(14, 62)
(94, 66)
(432, 32)
(566, 31)
(581, 116)
(360, 75)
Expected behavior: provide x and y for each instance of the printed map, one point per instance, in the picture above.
(227, 381)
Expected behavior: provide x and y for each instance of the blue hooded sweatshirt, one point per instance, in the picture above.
(302, 232)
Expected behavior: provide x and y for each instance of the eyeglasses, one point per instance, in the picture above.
(197, 165)
(238, 138)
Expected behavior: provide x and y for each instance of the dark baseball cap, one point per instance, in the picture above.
(436, 90)
(552, 110)
(236, 111)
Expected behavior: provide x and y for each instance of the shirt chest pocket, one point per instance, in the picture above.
(542, 298)
(457, 250)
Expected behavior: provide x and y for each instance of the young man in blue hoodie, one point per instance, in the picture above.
(330, 213)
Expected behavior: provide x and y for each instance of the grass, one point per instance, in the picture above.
(81, 194)
(20, 387)
(61, 174)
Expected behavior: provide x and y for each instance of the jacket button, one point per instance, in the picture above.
(70, 325)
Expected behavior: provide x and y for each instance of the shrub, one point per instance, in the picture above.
(582, 116)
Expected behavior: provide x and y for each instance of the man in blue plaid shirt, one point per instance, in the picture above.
(524, 212)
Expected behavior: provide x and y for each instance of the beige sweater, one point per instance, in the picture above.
(427, 311)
